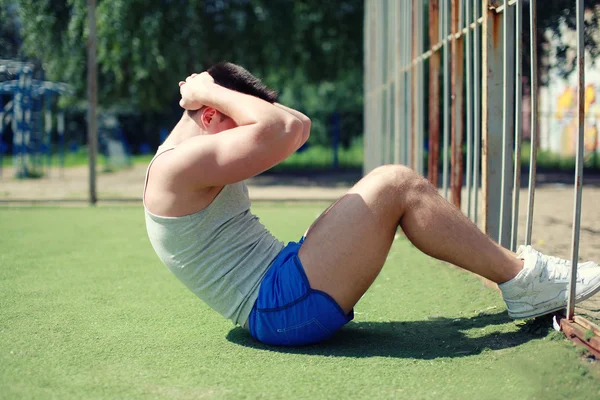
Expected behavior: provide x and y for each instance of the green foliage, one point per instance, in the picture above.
(311, 51)
(9, 34)
(553, 161)
(146, 47)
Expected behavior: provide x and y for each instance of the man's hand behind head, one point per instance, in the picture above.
(195, 91)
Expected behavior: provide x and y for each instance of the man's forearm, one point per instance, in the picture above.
(305, 121)
(245, 109)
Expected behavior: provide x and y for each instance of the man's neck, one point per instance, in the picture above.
(185, 129)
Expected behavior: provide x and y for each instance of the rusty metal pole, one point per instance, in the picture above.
(469, 109)
(491, 115)
(579, 159)
(421, 90)
(457, 106)
(434, 94)
(92, 81)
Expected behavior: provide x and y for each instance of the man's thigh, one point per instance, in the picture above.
(347, 245)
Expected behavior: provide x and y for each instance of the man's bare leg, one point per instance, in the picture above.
(347, 246)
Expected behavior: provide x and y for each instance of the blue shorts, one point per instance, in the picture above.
(288, 312)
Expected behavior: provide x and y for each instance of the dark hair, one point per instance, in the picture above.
(237, 78)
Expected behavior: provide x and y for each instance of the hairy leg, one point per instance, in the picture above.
(346, 247)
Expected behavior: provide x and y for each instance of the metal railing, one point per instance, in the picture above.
(473, 49)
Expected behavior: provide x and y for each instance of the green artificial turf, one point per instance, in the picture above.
(87, 311)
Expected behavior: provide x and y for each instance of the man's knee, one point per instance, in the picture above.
(405, 182)
(394, 174)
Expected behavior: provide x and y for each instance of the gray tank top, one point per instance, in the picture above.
(221, 253)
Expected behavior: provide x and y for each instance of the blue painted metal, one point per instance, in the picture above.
(29, 97)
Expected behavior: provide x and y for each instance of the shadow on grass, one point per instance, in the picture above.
(429, 339)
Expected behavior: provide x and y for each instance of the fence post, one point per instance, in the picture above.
(492, 110)
(508, 123)
(434, 93)
(457, 106)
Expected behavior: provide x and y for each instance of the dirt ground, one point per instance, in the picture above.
(552, 214)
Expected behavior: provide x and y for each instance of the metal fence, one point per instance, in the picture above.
(465, 56)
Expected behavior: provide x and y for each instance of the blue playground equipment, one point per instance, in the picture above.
(32, 134)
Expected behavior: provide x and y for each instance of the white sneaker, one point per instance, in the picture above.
(542, 286)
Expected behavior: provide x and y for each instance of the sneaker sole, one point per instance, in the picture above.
(540, 312)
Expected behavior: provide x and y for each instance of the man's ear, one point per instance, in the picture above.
(209, 117)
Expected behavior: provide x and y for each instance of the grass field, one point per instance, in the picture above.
(87, 312)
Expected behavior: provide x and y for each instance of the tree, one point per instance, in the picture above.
(9, 30)
(145, 47)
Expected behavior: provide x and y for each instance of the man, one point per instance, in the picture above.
(199, 222)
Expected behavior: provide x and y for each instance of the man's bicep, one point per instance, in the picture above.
(222, 159)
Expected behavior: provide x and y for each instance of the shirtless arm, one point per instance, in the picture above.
(265, 135)
(306, 124)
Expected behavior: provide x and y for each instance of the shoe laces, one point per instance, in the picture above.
(555, 268)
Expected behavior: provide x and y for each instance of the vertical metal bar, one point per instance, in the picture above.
(469, 62)
(373, 87)
(60, 128)
(17, 127)
(409, 83)
(534, 119)
(508, 124)
(397, 88)
(414, 30)
(402, 79)
(391, 79)
(476, 110)
(407, 87)
(492, 108)
(368, 79)
(461, 19)
(446, 119)
(48, 130)
(457, 107)
(420, 89)
(379, 83)
(579, 160)
(434, 94)
(386, 89)
(367, 92)
(518, 123)
(92, 81)
(417, 87)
